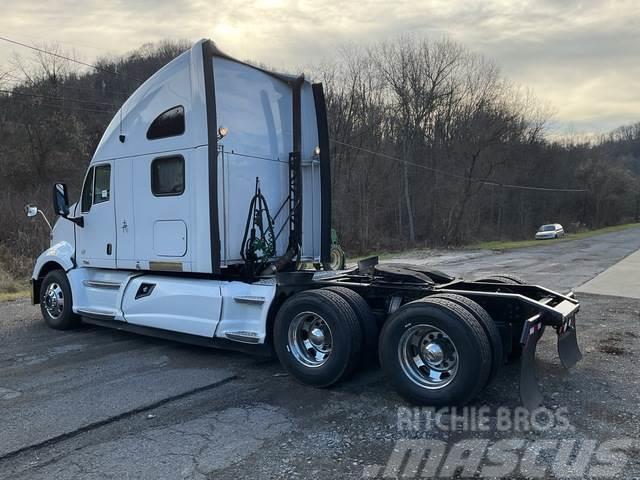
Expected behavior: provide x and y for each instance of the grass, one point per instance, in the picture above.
(8, 296)
(12, 289)
(511, 244)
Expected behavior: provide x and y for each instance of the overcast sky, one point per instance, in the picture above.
(583, 57)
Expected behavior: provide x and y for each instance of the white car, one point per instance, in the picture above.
(552, 230)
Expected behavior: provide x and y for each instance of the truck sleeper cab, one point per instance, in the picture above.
(208, 188)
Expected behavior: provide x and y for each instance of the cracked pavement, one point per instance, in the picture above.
(96, 403)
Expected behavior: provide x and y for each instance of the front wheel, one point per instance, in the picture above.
(56, 301)
(434, 352)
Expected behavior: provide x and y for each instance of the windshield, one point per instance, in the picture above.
(547, 228)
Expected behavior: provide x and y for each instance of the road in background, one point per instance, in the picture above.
(558, 265)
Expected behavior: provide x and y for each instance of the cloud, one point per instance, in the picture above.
(580, 55)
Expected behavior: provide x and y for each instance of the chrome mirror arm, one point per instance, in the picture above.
(46, 220)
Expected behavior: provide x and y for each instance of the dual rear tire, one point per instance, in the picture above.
(435, 352)
(440, 350)
(317, 337)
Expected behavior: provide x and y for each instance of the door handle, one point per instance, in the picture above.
(109, 249)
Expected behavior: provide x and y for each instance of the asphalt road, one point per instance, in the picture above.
(96, 403)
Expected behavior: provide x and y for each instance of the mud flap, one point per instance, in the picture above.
(530, 394)
(568, 349)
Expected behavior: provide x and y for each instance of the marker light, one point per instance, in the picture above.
(222, 132)
(316, 151)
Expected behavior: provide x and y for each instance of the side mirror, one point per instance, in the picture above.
(61, 204)
(60, 200)
(31, 210)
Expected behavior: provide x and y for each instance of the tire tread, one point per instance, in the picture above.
(346, 315)
(506, 278)
(392, 370)
(490, 328)
(70, 320)
(484, 369)
(366, 320)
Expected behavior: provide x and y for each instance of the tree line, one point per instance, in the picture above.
(431, 146)
(475, 161)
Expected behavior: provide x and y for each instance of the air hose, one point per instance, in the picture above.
(258, 242)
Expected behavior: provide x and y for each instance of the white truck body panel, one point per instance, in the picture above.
(311, 207)
(177, 304)
(61, 253)
(245, 308)
(98, 291)
(195, 306)
(257, 109)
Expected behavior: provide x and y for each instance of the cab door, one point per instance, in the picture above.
(96, 240)
(125, 221)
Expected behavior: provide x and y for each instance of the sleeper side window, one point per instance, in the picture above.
(87, 192)
(102, 184)
(167, 176)
(168, 124)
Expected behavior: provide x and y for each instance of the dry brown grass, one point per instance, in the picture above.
(15, 271)
(10, 288)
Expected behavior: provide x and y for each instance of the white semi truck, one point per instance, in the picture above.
(208, 188)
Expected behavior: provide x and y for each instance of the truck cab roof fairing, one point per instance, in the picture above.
(179, 83)
(262, 111)
(209, 51)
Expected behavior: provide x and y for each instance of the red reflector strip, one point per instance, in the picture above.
(535, 328)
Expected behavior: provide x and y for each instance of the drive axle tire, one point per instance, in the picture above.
(505, 278)
(317, 337)
(56, 301)
(434, 352)
(489, 326)
(367, 321)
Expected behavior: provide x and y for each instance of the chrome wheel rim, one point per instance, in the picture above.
(310, 340)
(428, 357)
(54, 300)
